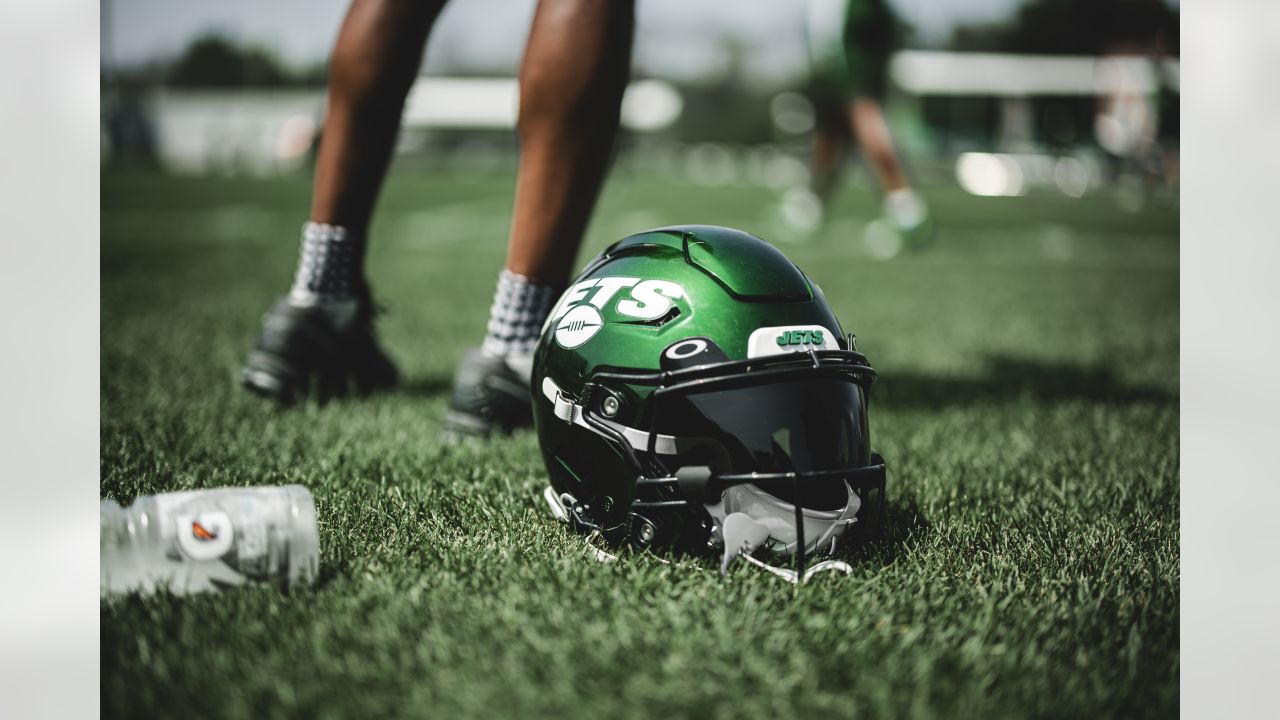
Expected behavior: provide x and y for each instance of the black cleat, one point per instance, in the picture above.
(302, 349)
(488, 396)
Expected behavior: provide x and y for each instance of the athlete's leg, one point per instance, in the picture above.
(574, 71)
(321, 334)
(903, 207)
(374, 63)
(572, 78)
(827, 154)
(866, 121)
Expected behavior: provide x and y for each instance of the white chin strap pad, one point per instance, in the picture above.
(741, 536)
(745, 512)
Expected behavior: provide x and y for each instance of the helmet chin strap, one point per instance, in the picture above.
(795, 578)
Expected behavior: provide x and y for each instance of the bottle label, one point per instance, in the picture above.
(206, 535)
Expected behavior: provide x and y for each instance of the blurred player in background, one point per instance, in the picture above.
(850, 42)
(320, 335)
(1137, 116)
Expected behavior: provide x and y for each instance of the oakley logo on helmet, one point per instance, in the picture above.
(691, 352)
(685, 349)
(577, 316)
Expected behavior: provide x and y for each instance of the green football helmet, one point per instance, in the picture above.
(694, 391)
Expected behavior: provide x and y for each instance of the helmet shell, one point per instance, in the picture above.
(635, 300)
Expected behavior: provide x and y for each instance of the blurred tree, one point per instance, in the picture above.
(725, 106)
(1076, 27)
(215, 61)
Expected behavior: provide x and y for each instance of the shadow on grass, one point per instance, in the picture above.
(1010, 378)
(425, 387)
(904, 525)
(1007, 378)
(331, 569)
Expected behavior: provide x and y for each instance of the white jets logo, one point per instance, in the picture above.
(577, 316)
(578, 326)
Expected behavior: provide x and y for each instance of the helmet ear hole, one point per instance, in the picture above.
(590, 471)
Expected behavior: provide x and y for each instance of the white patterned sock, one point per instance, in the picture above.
(520, 307)
(330, 266)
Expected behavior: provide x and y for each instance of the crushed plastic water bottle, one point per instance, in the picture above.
(210, 540)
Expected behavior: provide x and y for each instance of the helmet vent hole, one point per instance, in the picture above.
(670, 315)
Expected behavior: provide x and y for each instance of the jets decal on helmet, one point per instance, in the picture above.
(767, 341)
(577, 316)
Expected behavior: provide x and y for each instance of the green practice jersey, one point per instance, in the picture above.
(849, 46)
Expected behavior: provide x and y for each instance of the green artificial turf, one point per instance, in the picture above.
(1027, 407)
